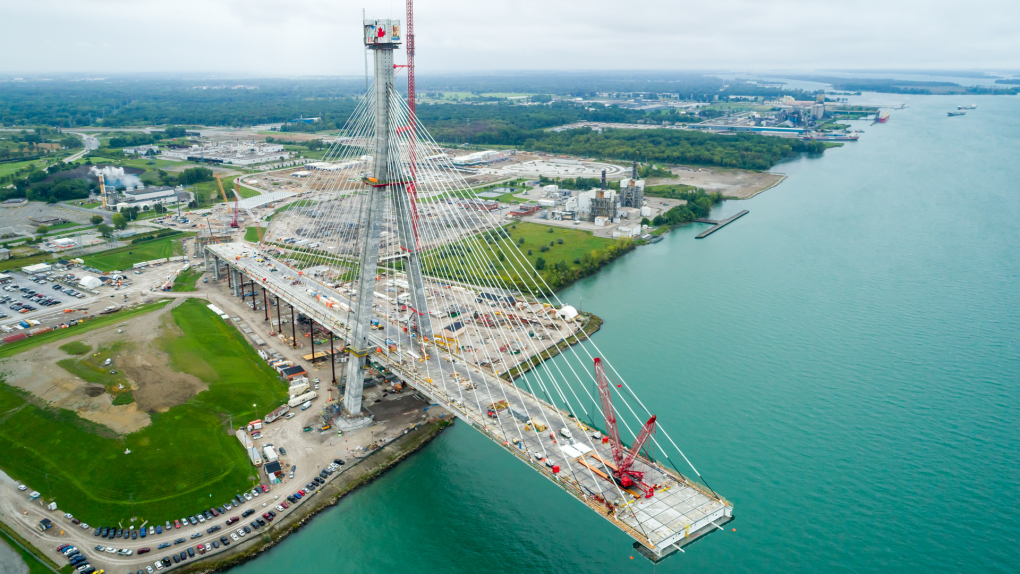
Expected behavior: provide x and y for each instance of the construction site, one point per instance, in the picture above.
(357, 260)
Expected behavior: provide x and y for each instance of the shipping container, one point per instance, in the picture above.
(15, 337)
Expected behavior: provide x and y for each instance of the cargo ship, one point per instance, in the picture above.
(820, 137)
(951, 114)
(881, 117)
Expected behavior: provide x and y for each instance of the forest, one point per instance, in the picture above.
(142, 100)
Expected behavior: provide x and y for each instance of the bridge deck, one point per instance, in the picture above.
(680, 509)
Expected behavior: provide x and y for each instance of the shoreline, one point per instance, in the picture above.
(366, 471)
(362, 474)
(782, 178)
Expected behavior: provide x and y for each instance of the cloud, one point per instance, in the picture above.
(313, 37)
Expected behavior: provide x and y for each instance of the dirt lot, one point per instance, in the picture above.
(156, 387)
(735, 183)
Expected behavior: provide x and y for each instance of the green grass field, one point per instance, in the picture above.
(123, 258)
(20, 262)
(91, 369)
(575, 244)
(185, 461)
(9, 168)
(246, 192)
(252, 234)
(186, 281)
(76, 348)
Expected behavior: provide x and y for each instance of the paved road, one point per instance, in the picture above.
(91, 143)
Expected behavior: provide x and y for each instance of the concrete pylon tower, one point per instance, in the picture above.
(391, 182)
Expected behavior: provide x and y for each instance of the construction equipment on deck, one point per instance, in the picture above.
(623, 473)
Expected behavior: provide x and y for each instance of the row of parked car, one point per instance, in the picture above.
(69, 291)
(77, 559)
(195, 519)
(80, 562)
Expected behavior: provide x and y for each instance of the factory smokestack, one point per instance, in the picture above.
(603, 180)
(634, 171)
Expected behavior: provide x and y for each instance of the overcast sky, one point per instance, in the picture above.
(323, 37)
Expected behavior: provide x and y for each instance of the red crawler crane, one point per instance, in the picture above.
(623, 474)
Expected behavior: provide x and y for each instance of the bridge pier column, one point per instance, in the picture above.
(355, 383)
(332, 358)
(293, 326)
(279, 323)
(216, 268)
(236, 282)
(265, 303)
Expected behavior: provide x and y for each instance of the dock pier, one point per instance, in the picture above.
(717, 225)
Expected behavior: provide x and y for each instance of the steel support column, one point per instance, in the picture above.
(265, 303)
(311, 337)
(332, 358)
(293, 326)
(279, 323)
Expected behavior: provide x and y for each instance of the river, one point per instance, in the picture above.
(842, 363)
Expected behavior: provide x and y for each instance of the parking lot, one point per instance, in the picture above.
(306, 455)
(24, 298)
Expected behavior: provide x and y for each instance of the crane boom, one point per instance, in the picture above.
(608, 412)
(623, 460)
(646, 432)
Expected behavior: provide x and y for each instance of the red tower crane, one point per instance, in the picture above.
(623, 473)
(412, 122)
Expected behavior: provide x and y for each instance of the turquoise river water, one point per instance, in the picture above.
(843, 364)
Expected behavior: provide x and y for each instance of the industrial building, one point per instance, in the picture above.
(141, 196)
(478, 204)
(231, 153)
(481, 157)
(142, 150)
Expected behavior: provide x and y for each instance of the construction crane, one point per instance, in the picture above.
(233, 220)
(623, 471)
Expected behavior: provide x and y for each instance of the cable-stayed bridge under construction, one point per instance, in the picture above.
(391, 254)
